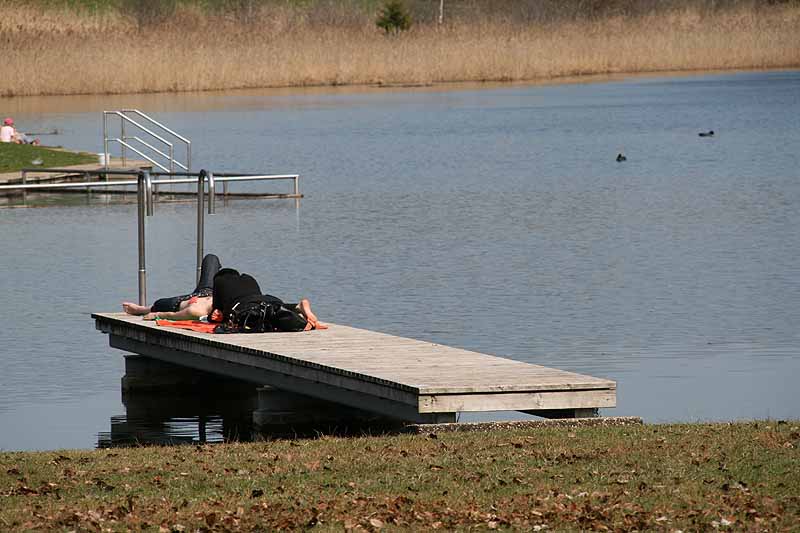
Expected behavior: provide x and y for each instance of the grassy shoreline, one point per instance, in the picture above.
(742, 476)
(15, 157)
(317, 43)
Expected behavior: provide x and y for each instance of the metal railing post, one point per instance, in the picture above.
(25, 189)
(105, 140)
(122, 124)
(141, 215)
(200, 220)
(211, 194)
(148, 192)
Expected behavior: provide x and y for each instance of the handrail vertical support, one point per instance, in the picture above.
(148, 193)
(141, 216)
(122, 125)
(201, 177)
(105, 140)
(24, 189)
(211, 194)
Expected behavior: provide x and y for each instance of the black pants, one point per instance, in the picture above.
(205, 287)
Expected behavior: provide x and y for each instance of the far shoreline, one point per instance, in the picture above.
(377, 88)
(50, 51)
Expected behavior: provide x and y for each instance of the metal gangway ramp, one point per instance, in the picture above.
(400, 378)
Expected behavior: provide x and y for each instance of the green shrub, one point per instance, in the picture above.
(148, 13)
(394, 17)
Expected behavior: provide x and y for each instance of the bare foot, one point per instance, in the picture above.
(305, 309)
(135, 309)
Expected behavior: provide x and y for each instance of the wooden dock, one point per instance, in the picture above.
(394, 376)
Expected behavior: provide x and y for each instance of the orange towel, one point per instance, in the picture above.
(194, 325)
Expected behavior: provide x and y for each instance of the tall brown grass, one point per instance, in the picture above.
(50, 50)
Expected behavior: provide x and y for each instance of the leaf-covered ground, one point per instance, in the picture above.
(726, 477)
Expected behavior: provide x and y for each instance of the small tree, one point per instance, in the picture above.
(394, 17)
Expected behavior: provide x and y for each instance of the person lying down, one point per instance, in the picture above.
(233, 300)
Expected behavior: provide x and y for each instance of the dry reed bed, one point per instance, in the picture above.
(51, 52)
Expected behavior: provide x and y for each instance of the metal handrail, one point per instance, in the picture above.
(123, 143)
(88, 184)
(160, 125)
(169, 156)
(217, 177)
(123, 138)
(181, 138)
(145, 184)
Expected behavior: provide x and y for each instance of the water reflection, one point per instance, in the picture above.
(166, 404)
(67, 199)
(206, 416)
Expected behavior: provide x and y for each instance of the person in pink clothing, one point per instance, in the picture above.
(9, 134)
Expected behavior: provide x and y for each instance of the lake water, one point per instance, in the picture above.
(490, 218)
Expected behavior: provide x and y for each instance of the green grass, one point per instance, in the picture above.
(655, 478)
(14, 157)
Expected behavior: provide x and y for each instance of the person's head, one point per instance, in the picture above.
(8, 122)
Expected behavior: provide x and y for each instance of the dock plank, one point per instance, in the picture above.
(366, 369)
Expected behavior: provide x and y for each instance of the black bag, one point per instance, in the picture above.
(285, 319)
(263, 316)
(252, 317)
